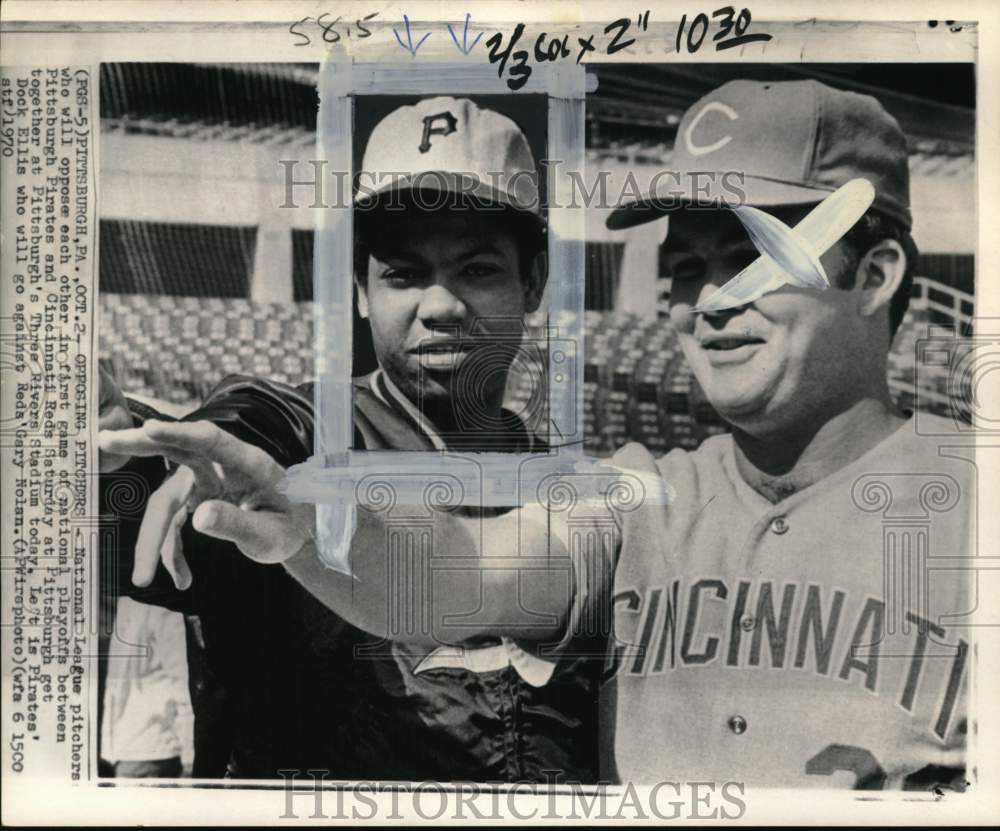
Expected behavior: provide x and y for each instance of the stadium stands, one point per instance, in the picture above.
(637, 386)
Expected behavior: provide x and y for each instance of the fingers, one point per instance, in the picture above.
(107, 463)
(214, 464)
(109, 394)
(202, 446)
(223, 464)
(172, 552)
(207, 449)
(158, 522)
(115, 418)
(150, 440)
(263, 536)
(113, 415)
(203, 440)
(133, 442)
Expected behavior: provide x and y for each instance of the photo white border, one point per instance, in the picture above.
(233, 32)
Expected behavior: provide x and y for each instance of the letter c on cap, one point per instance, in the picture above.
(702, 149)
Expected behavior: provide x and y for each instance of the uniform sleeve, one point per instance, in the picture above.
(588, 623)
(593, 536)
(275, 417)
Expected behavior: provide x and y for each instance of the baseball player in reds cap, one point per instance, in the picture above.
(451, 244)
(776, 623)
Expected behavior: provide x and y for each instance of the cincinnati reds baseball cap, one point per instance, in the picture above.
(780, 143)
(450, 145)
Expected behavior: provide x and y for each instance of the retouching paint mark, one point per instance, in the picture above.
(790, 256)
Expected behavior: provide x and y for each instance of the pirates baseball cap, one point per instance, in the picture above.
(450, 145)
(779, 143)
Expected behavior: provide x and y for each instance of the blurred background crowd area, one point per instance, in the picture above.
(202, 274)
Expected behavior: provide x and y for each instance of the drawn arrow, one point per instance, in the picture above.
(408, 46)
(464, 47)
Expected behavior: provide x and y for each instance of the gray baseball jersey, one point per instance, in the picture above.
(819, 641)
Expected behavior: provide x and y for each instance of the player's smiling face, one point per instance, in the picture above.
(778, 359)
(434, 279)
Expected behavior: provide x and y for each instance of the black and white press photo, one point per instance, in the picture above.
(773, 421)
(576, 414)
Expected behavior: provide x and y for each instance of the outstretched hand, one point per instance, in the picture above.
(113, 414)
(228, 484)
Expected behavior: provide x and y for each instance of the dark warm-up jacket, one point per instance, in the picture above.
(296, 696)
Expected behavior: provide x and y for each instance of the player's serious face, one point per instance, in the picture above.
(443, 290)
(777, 359)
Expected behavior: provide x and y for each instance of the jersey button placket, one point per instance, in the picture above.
(779, 525)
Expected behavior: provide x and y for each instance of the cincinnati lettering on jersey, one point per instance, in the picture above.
(673, 631)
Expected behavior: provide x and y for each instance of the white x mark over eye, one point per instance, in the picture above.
(790, 256)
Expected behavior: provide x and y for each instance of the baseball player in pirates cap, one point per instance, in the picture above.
(452, 258)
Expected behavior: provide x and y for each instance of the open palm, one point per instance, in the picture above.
(229, 485)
